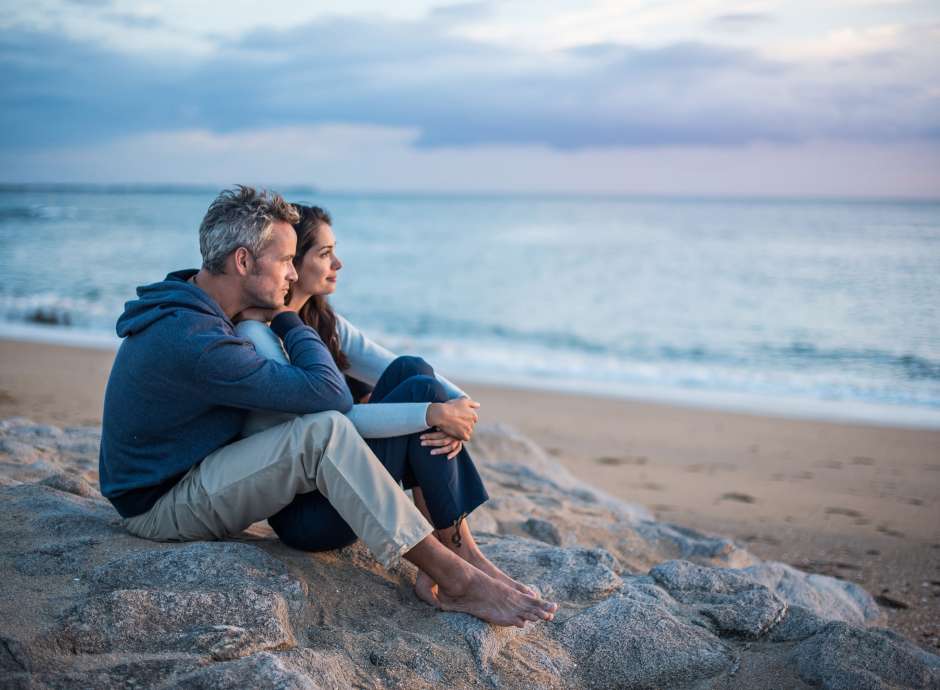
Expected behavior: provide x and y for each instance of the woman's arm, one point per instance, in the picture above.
(368, 359)
(376, 420)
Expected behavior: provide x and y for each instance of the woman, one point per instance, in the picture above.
(407, 400)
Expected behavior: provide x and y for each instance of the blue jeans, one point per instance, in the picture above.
(452, 488)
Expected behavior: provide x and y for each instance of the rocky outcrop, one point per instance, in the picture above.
(643, 604)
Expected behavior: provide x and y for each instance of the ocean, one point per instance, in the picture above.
(808, 308)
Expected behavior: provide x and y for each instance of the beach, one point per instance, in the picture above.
(849, 500)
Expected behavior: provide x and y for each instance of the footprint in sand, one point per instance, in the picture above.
(652, 486)
(884, 529)
(890, 602)
(738, 497)
(862, 460)
(627, 460)
(763, 538)
(831, 465)
(848, 512)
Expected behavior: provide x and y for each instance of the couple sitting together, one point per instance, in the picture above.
(231, 400)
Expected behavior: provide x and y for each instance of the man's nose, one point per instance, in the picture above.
(292, 275)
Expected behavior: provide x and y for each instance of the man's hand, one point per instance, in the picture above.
(456, 418)
(258, 314)
(444, 443)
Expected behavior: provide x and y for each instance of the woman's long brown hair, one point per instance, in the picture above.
(317, 312)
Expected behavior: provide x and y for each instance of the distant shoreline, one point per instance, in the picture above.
(802, 409)
(299, 189)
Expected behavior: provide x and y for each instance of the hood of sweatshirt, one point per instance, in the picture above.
(159, 300)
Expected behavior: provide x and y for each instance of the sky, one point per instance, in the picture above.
(693, 97)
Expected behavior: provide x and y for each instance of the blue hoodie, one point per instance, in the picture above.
(183, 382)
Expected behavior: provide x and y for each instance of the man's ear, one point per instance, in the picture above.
(243, 261)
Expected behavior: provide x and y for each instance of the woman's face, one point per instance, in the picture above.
(316, 274)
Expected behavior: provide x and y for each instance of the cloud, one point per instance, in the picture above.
(742, 20)
(463, 11)
(133, 21)
(455, 91)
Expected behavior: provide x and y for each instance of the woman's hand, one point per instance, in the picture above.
(444, 443)
(456, 418)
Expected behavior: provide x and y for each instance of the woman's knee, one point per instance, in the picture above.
(316, 533)
(424, 388)
(317, 542)
(409, 365)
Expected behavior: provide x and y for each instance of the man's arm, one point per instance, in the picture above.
(230, 372)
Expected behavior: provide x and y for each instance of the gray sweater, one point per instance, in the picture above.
(367, 361)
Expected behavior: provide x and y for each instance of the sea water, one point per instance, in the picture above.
(816, 308)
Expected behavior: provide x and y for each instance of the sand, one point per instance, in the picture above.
(854, 501)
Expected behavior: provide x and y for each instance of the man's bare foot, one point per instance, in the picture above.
(426, 589)
(494, 601)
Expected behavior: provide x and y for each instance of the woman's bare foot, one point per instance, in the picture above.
(426, 589)
(476, 558)
(494, 601)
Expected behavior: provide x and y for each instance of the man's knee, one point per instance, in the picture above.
(325, 423)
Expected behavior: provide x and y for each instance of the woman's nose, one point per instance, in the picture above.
(337, 264)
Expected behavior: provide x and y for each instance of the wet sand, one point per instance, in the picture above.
(860, 502)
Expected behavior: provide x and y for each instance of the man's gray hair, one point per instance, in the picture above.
(240, 217)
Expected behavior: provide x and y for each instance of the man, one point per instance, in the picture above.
(172, 462)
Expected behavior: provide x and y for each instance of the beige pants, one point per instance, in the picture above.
(254, 478)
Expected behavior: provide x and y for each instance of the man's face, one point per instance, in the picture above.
(272, 271)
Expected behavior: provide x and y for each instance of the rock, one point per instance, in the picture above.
(72, 484)
(797, 624)
(692, 545)
(624, 643)
(571, 574)
(108, 673)
(56, 514)
(483, 640)
(62, 557)
(827, 597)
(643, 604)
(543, 530)
(199, 566)
(843, 657)
(260, 672)
(219, 624)
(734, 603)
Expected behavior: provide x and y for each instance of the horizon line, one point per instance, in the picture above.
(205, 187)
